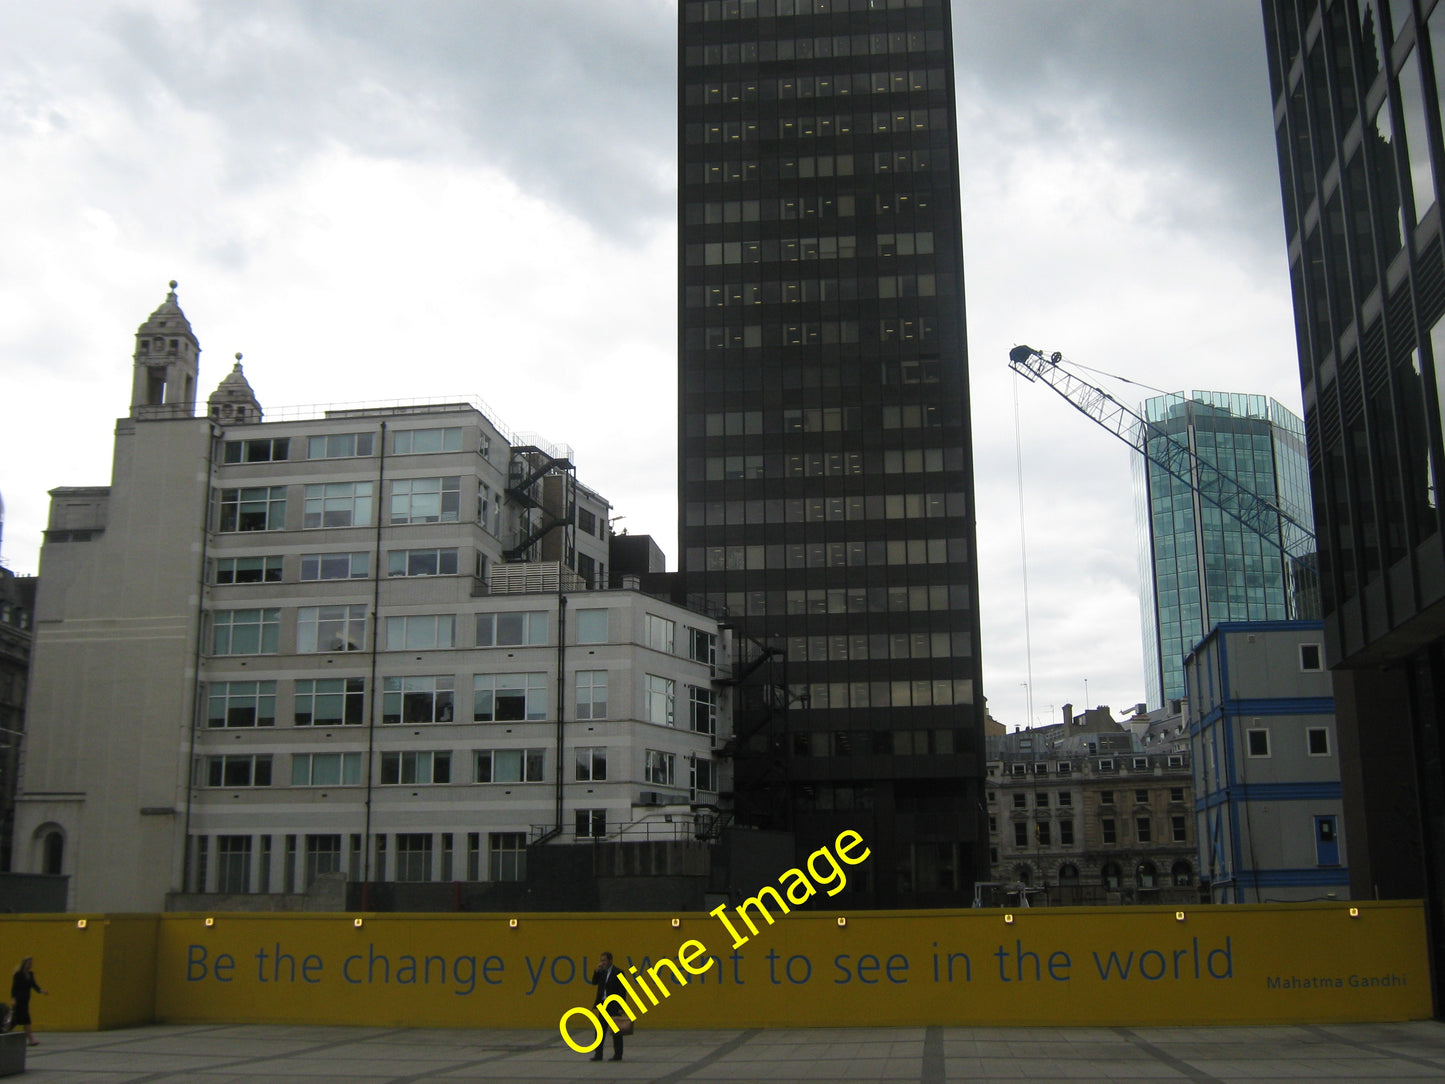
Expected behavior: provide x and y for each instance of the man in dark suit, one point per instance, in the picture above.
(608, 981)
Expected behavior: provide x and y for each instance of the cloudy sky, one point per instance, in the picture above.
(381, 200)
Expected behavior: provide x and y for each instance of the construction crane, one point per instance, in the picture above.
(1281, 529)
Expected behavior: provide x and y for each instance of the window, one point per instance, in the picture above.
(330, 701)
(659, 767)
(233, 864)
(1064, 767)
(1141, 764)
(1258, 742)
(417, 699)
(1066, 833)
(440, 562)
(1318, 739)
(1042, 833)
(248, 570)
(417, 632)
(658, 696)
(1108, 831)
(416, 767)
(237, 770)
(592, 764)
(1310, 657)
(1106, 764)
(1106, 797)
(339, 446)
(702, 709)
(422, 441)
(1176, 760)
(1178, 830)
(241, 703)
(1021, 800)
(1176, 794)
(1144, 829)
(323, 855)
(507, 856)
(330, 628)
(272, 450)
(591, 626)
(702, 646)
(1021, 834)
(512, 629)
(658, 632)
(1041, 799)
(335, 566)
(245, 632)
(591, 694)
(325, 769)
(337, 504)
(426, 500)
(413, 856)
(262, 508)
(1066, 797)
(704, 775)
(591, 823)
(509, 766)
(1141, 797)
(502, 698)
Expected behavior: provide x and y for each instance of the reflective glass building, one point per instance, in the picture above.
(1356, 93)
(1198, 565)
(825, 468)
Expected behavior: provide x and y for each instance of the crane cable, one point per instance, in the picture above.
(1024, 556)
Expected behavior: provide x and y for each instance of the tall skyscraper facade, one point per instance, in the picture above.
(1198, 565)
(1356, 92)
(825, 468)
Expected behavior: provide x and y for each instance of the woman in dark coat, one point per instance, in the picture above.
(20, 987)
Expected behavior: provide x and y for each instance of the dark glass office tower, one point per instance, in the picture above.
(826, 483)
(1356, 96)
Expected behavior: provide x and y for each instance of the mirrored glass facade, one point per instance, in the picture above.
(825, 471)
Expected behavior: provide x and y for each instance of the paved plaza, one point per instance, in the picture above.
(231, 1054)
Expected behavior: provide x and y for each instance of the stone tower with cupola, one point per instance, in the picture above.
(167, 357)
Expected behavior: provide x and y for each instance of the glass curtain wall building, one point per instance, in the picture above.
(1356, 93)
(825, 466)
(1198, 565)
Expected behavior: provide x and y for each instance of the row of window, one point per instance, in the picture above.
(344, 445)
(787, 88)
(1258, 744)
(1043, 799)
(857, 647)
(736, 423)
(712, 11)
(897, 743)
(729, 468)
(434, 768)
(1104, 764)
(431, 698)
(789, 167)
(339, 504)
(898, 551)
(858, 508)
(937, 598)
(841, 45)
(816, 126)
(1040, 833)
(803, 291)
(795, 249)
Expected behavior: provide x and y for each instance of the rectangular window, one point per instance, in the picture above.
(325, 769)
(704, 775)
(1141, 764)
(419, 632)
(1066, 797)
(259, 508)
(417, 699)
(273, 450)
(509, 766)
(420, 768)
(1141, 797)
(702, 646)
(1106, 797)
(1021, 800)
(591, 823)
(1318, 739)
(330, 628)
(438, 562)
(241, 703)
(233, 864)
(1257, 742)
(323, 855)
(339, 446)
(503, 698)
(1106, 764)
(238, 770)
(413, 856)
(658, 632)
(1021, 834)
(660, 767)
(592, 764)
(337, 504)
(1310, 658)
(1041, 799)
(1144, 829)
(1177, 829)
(591, 694)
(591, 626)
(248, 570)
(245, 632)
(658, 699)
(423, 441)
(507, 856)
(426, 500)
(1176, 794)
(330, 701)
(1042, 833)
(1108, 831)
(1175, 760)
(1066, 833)
(335, 566)
(512, 629)
(702, 709)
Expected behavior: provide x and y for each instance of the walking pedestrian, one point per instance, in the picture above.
(20, 987)
(608, 981)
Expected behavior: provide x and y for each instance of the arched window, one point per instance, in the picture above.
(1025, 875)
(49, 843)
(1068, 874)
(1146, 873)
(1111, 876)
(1182, 873)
